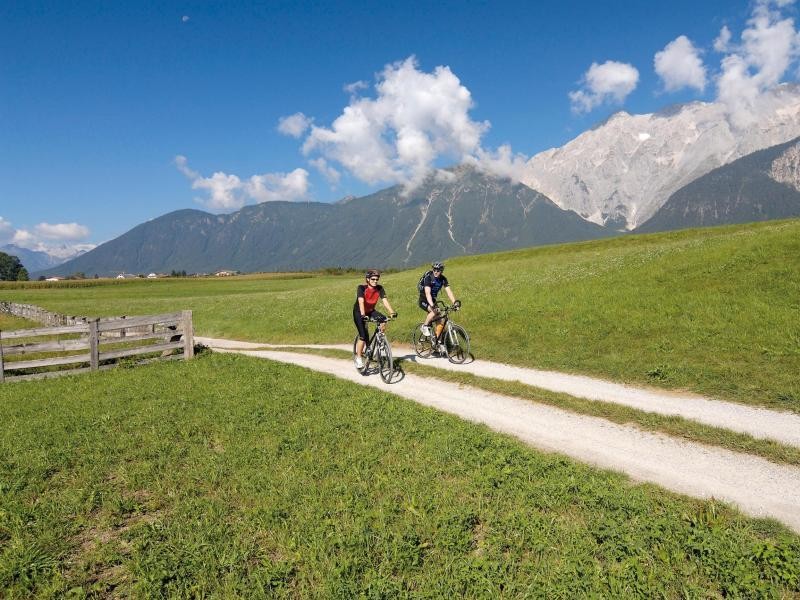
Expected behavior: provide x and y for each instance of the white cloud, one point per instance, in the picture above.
(679, 66)
(328, 172)
(294, 125)
(62, 231)
(502, 162)
(723, 41)
(6, 231)
(610, 82)
(769, 45)
(278, 186)
(185, 19)
(228, 192)
(397, 137)
(54, 239)
(355, 87)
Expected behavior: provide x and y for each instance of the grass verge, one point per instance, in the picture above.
(233, 476)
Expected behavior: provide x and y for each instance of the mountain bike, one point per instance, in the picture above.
(448, 338)
(377, 350)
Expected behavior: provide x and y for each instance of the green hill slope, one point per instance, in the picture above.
(715, 310)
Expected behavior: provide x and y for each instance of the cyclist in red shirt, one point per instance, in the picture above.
(367, 297)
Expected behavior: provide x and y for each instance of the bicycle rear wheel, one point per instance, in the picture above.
(422, 344)
(385, 362)
(456, 340)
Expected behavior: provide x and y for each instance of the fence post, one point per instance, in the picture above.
(188, 335)
(2, 367)
(94, 345)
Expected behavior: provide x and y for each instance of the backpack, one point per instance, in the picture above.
(420, 285)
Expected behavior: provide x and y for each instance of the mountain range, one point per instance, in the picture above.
(454, 212)
(760, 186)
(37, 260)
(685, 166)
(622, 171)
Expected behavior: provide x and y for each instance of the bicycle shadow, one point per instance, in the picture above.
(397, 373)
(413, 357)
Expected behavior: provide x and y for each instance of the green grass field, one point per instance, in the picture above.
(229, 476)
(716, 311)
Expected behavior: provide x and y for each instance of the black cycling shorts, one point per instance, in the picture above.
(423, 304)
(361, 326)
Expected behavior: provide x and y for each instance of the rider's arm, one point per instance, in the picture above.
(428, 296)
(450, 295)
(387, 305)
(361, 306)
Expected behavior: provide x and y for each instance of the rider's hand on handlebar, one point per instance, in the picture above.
(457, 304)
(393, 315)
(364, 318)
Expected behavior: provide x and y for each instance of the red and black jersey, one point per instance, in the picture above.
(371, 295)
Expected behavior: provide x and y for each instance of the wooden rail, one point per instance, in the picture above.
(92, 340)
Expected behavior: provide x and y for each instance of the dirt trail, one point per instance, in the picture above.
(758, 487)
(780, 426)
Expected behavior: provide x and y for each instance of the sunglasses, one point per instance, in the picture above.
(374, 279)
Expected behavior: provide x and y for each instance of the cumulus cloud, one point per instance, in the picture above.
(328, 172)
(355, 87)
(769, 45)
(610, 82)
(679, 66)
(503, 162)
(294, 125)
(57, 239)
(722, 43)
(62, 231)
(397, 137)
(229, 192)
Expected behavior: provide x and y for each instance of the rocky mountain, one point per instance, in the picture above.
(760, 186)
(622, 171)
(36, 260)
(456, 212)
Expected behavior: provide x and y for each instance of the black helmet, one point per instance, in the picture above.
(437, 266)
(372, 273)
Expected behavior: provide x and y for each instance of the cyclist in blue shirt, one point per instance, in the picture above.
(432, 284)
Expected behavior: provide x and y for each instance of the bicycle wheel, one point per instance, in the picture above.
(385, 362)
(422, 344)
(456, 340)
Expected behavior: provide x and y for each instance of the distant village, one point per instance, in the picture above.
(123, 275)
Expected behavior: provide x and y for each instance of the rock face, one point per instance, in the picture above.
(757, 187)
(455, 212)
(621, 172)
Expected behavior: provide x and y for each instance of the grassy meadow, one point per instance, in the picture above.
(229, 476)
(715, 311)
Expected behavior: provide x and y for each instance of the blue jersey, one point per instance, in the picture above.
(435, 283)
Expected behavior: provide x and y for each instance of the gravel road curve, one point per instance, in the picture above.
(756, 486)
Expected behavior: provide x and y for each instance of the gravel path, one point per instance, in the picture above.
(762, 423)
(758, 487)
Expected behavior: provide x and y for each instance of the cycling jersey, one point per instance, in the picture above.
(371, 295)
(435, 283)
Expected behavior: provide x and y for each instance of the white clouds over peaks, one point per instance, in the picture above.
(53, 238)
(62, 231)
(679, 66)
(610, 82)
(229, 192)
(397, 136)
(769, 45)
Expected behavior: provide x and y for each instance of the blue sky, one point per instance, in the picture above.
(114, 113)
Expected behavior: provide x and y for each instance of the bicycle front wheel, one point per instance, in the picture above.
(456, 341)
(385, 362)
(422, 343)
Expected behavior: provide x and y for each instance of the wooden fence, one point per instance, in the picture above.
(131, 336)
